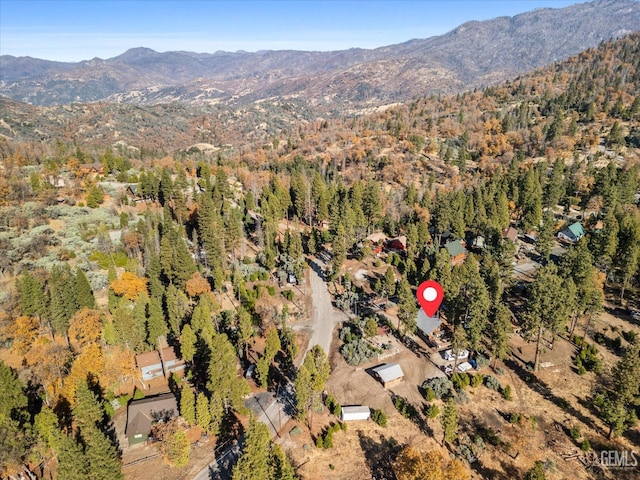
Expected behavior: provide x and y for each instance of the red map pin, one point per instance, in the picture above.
(430, 295)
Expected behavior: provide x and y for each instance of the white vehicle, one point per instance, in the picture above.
(462, 354)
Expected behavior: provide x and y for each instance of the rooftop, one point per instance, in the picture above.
(389, 372)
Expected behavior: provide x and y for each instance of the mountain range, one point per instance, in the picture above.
(472, 55)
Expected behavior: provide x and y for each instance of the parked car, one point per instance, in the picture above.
(462, 354)
(635, 314)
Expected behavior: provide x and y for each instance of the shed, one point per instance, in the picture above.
(389, 374)
(142, 414)
(355, 412)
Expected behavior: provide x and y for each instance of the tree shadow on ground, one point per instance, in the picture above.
(539, 386)
(380, 455)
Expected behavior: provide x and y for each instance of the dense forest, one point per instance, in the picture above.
(199, 255)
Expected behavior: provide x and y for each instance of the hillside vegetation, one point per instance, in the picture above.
(123, 226)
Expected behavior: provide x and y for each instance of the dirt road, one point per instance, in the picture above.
(324, 317)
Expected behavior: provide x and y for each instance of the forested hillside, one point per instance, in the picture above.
(112, 250)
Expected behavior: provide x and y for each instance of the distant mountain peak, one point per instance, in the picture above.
(475, 54)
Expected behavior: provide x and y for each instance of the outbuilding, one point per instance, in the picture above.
(355, 412)
(389, 374)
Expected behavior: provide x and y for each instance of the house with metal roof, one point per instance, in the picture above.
(426, 325)
(572, 233)
(389, 374)
(457, 251)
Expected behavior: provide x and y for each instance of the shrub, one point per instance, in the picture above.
(332, 404)
(574, 432)
(585, 446)
(506, 393)
(492, 382)
(476, 380)
(357, 352)
(630, 336)
(482, 360)
(404, 407)
(461, 397)
(379, 417)
(288, 294)
(441, 386)
(432, 411)
(460, 380)
(429, 394)
(515, 418)
(588, 358)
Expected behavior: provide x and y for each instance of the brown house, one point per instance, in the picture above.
(510, 234)
(142, 414)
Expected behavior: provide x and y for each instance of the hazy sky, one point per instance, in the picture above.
(81, 30)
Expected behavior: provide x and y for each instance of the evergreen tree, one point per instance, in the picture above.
(224, 381)
(449, 421)
(544, 312)
(253, 464)
(203, 413)
(72, 462)
(102, 456)
(88, 411)
(499, 334)
(64, 302)
(188, 341)
(187, 404)
(156, 325)
(216, 414)
(407, 306)
(83, 291)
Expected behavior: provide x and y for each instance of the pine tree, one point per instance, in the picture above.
(87, 411)
(187, 404)
(449, 421)
(72, 462)
(224, 381)
(156, 325)
(83, 291)
(254, 462)
(64, 302)
(188, 341)
(102, 456)
(216, 414)
(203, 414)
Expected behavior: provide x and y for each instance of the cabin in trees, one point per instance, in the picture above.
(158, 363)
(427, 326)
(572, 233)
(143, 413)
(378, 240)
(133, 193)
(389, 374)
(170, 361)
(399, 244)
(457, 251)
(510, 234)
(150, 365)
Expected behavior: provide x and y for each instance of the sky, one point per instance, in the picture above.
(78, 30)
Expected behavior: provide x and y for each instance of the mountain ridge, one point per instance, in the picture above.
(472, 55)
